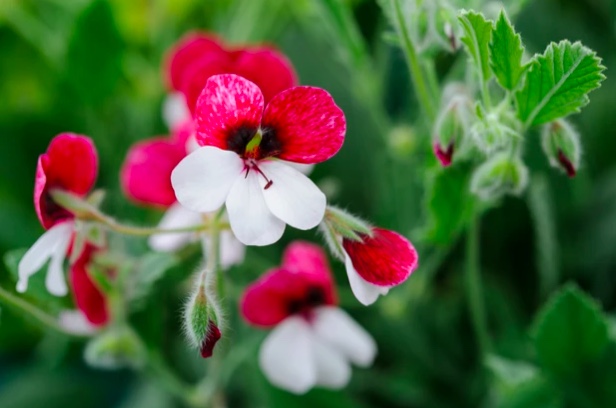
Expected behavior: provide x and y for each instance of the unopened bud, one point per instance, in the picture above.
(501, 174)
(202, 320)
(561, 144)
(450, 128)
(493, 131)
(118, 347)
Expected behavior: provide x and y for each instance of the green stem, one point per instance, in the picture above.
(417, 75)
(474, 288)
(40, 316)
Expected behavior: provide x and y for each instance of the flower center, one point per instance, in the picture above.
(313, 297)
(254, 143)
(252, 164)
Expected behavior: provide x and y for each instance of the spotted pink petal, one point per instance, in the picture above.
(385, 259)
(308, 124)
(228, 104)
(303, 283)
(88, 297)
(146, 172)
(268, 68)
(70, 164)
(185, 52)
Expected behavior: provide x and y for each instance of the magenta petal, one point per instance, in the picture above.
(308, 124)
(210, 340)
(88, 297)
(566, 163)
(385, 259)
(445, 156)
(197, 74)
(70, 164)
(146, 172)
(227, 104)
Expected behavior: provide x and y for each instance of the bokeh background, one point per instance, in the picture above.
(95, 67)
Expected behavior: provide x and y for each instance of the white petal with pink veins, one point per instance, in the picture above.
(177, 216)
(333, 370)
(203, 179)
(251, 221)
(52, 244)
(292, 196)
(333, 325)
(364, 291)
(287, 356)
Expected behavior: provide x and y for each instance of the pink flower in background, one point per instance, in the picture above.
(70, 164)
(88, 297)
(313, 342)
(198, 56)
(247, 148)
(377, 263)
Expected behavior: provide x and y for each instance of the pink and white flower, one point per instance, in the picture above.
(313, 342)
(377, 263)
(70, 164)
(247, 147)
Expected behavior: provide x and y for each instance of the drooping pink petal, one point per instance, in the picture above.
(307, 123)
(211, 338)
(301, 284)
(183, 55)
(146, 173)
(70, 164)
(385, 259)
(228, 111)
(88, 297)
(268, 68)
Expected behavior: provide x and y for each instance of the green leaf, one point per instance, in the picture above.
(558, 83)
(477, 35)
(506, 52)
(147, 272)
(570, 332)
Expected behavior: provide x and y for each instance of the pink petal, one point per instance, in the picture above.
(307, 123)
(88, 297)
(445, 156)
(303, 282)
(210, 340)
(385, 259)
(268, 68)
(185, 52)
(198, 73)
(146, 172)
(71, 164)
(228, 104)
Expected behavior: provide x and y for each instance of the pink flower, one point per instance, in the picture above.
(198, 56)
(88, 297)
(70, 164)
(247, 147)
(313, 342)
(377, 263)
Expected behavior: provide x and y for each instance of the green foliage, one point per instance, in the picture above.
(558, 83)
(477, 37)
(506, 52)
(148, 270)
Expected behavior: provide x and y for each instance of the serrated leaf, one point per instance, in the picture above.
(558, 83)
(477, 36)
(506, 53)
(570, 332)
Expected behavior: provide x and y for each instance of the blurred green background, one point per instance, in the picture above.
(94, 67)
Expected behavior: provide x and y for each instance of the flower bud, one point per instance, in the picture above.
(450, 128)
(201, 320)
(561, 144)
(493, 130)
(501, 174)
(116, 348)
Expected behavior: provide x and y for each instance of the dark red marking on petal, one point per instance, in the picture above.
(566, 163)
(385, 259)
(444, 156)
(302, 283)
(210, 340)
(70, 164)
(88, 297)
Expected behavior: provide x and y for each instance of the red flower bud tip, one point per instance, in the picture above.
(210, 340)
(566, 163)
(444, 156)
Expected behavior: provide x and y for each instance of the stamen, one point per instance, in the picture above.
(253, 165)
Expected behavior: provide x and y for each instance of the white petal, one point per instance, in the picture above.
(292, 196)
(74, 321)
(175, 110)
(176, 216)
(338, 329)
(364, 291)
(305, 169)
(191, 143)
(232, 251)
(333, 370)
(40, 252)
(55, 282)
(251, 221)
(202, 180)
(287, 356)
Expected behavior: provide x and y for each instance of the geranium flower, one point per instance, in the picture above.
(313, 342)
(198, 56)
(70, 164)
(88, 297)
(377, 263)
(246, 149)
